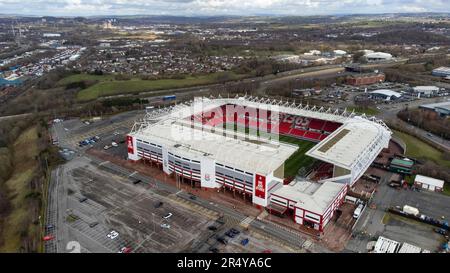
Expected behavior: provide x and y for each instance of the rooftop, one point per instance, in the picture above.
(254, 155)
(387, 92)
(442, 105)
(347, 144)
(314, 197)
(429, 181)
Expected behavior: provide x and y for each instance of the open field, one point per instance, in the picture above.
(419, 149)
(85, 77)
(368, 111)
(19, 222)
(107, 85)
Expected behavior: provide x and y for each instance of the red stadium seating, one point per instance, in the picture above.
(331, 126)
(316, 124)
(297, 132)
(312, 135)
(305, 128)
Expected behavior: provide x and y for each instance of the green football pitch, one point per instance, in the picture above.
(297, 160)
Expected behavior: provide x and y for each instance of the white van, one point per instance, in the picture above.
(358, 211)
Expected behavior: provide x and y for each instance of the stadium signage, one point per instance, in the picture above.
(130, 144)
(260, 188)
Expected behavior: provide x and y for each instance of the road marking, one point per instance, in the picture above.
(103, 163)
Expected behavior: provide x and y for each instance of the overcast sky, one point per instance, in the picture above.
(217, 7)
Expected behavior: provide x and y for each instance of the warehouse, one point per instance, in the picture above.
(425, 91)
(311, 204)
(441, 72)
(442, 108)
(378, 56)
(385, 94)
(428, 183)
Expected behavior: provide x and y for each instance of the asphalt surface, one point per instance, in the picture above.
(372, 222)
(285, 234)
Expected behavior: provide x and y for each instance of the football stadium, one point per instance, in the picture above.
(289, 158)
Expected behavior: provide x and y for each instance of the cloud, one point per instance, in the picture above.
(218, 7)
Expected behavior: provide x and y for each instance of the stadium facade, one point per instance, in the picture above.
(208, 142)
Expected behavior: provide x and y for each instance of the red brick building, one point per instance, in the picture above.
(365, 79)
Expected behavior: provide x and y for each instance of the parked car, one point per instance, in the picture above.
(48, 238)
(114, 144)
(165, 225)
(94, 224)
(212, 228)
(125, 250)
(158, 204)
(137, 181)
(214, 249)
(245, 241)
(82, 199)
(112, 235)
(222, 240)
(168, 215)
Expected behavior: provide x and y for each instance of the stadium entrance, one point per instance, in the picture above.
(234, 193)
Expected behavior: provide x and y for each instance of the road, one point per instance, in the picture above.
(3, 118)
(389, 112)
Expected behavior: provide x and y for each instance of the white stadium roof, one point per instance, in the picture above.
(262, 158)
(345, 146)
(314, 197)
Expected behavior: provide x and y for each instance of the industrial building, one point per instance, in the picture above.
(425, 91)
(385, 94)
(442, 108)
(429, 183)
(199, 142)
(365, 79)
(378, 56)
(442, 71)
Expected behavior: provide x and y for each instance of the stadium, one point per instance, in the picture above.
(289, 158)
